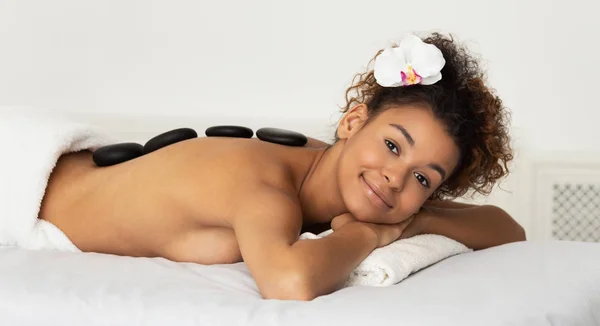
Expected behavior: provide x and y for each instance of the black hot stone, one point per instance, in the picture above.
(281, 136)
(229, 131)
(117, 153)
(168, 138)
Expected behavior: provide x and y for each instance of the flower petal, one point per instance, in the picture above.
(408, 43)
(427, 59)
(431, 79)
(402, 61)
(388, 65)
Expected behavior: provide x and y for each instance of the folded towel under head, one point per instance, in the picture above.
(31, 143)
(393, 263)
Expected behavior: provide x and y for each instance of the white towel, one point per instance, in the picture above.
(393, 263)
(30, 144)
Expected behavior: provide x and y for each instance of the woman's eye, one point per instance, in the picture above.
(391, 146)
(422, 180)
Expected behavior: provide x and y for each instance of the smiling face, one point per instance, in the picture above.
(392, 162)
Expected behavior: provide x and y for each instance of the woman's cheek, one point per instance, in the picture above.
(373, 155)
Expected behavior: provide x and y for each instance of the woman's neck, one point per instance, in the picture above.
(319, 195)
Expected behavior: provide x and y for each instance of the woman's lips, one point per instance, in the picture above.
(373, 194)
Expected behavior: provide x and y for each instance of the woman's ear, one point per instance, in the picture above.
(352, 121)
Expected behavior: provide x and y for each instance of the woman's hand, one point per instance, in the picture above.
(418, 224)
(385, 233)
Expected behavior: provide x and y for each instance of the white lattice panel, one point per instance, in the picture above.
(567, 202)
(576, 212)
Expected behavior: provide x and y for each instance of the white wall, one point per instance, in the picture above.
(293, 60)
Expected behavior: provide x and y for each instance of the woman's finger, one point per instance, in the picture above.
(400, 228)
(341, 220)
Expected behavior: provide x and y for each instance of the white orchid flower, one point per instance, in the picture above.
(412, 62)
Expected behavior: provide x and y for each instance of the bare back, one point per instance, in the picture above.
(177, 202)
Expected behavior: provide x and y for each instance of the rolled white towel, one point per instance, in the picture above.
(393, 263)
(31, 143)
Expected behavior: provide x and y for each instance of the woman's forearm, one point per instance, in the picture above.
(477, 227)
(326, 263)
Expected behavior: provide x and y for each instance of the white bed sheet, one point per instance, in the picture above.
(531, 283)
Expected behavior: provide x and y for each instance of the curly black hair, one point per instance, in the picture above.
(473, 115)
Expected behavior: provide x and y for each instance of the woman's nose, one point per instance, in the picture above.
(395, 178)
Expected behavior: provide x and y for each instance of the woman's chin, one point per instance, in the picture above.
(362, 211)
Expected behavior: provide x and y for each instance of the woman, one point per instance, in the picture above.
(418, 128)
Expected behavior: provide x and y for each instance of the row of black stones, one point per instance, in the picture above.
(122, 152)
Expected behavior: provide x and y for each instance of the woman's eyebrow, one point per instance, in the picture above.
(408, 137)
(411, 142)
(438, 169)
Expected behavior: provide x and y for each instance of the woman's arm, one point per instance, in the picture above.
(267, 229)
(477, 227)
